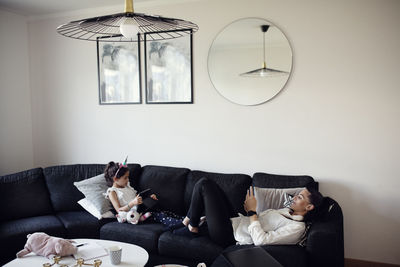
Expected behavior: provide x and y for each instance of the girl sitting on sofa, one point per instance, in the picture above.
(122, 196)
(283, 226)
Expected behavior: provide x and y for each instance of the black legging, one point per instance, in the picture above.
(209, 199)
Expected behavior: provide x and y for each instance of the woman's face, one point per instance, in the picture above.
(301, 202)
(122, 181)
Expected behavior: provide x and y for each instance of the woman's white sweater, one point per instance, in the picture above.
(273, 227)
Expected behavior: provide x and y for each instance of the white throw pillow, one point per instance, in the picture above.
(89, 207)
(273, 198)
(94, 189)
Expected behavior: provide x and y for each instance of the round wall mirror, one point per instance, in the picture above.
(250, 61)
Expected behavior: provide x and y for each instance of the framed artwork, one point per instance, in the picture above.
(119, 72)
(168, 70)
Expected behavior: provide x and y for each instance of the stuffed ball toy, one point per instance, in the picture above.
(131, 216)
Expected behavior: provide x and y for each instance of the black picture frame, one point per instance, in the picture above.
(169, 69)
(119, 72)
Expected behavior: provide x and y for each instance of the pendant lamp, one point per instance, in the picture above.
(264, 71)
(124, 27)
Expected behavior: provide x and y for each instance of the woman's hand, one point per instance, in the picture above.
(251, 202)
(153, 196)
(136, 201)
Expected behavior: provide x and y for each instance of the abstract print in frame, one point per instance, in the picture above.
(119, 72)
(168, 70)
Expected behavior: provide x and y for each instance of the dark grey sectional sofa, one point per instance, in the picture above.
(45, 200)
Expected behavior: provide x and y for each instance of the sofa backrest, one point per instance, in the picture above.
(267, 180)
(234, 187)
(60, 182)
(25, 194)
(168, 183)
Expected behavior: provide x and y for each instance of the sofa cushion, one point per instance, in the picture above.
(168, 183)
(273, 198)
(91, 208)
(229, 183)
(80, 224)
(144, 234)
(267, 180)
(13, 233)
(94, 188)
(20, 190)
(49, 224)
(60, 181)
(200, 249)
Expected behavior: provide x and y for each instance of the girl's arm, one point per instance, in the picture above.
(117, 206)
(153, 196)
(115, 202)
(136, 201)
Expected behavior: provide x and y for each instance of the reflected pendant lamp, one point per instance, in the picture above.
(125, 27)
(264, 71)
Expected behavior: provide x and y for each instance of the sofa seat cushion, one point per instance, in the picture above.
(287, 255)
(144, 234)
(80, 224)
(200, 249)
(49, 224)
(234, 187)
(13, 233)
(160, 260)
(21, 189)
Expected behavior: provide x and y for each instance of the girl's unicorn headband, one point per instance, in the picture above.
(122, 165)
(125, 163)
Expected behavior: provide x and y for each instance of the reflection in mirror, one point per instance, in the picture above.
(239, 49)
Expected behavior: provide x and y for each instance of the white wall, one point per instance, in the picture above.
(15, 99)
(337, 118)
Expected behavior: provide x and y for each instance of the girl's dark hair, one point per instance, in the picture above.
(114, 170)
(316, 199)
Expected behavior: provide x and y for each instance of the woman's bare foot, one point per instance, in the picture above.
(202, 220)
(193, 229)
(186, 221)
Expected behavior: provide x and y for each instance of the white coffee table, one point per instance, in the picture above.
(132, 255)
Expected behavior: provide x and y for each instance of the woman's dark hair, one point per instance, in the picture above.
(114, 170)
(316, 199)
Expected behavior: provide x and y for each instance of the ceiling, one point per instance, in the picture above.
(44, 7)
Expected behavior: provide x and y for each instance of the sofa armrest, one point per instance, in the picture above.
(325, 244)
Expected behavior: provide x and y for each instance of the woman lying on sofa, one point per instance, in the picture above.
(283, 226)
